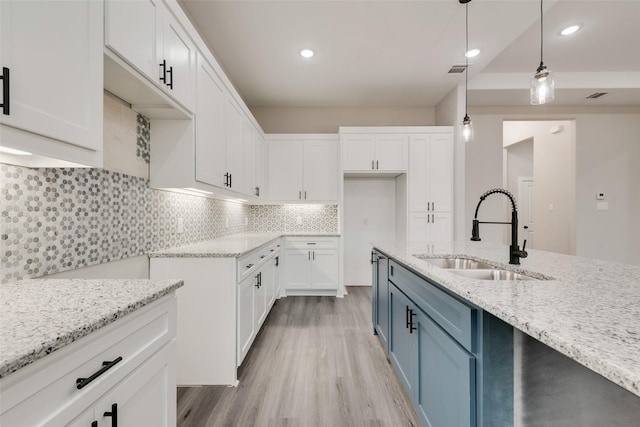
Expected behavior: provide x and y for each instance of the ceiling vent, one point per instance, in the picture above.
(457, 69)
(596, 95)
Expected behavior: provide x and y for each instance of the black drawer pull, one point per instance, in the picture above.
(262, 256)
(82, 382)
(249, 266)
(170, 73)
(411, 327)
(312, 243)
(163, 67)
(113, 414)
(5, 91)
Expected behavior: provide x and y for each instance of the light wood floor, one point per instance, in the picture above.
(315, 363)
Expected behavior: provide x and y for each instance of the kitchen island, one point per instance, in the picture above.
(585, 309)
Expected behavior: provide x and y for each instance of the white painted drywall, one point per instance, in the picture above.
(369, 215)
(607, 155)
(450, 112)
(327, 120)
(554, 177)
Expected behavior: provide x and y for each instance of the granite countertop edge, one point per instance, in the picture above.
(68, 336)
(615, 364)
(251, 241)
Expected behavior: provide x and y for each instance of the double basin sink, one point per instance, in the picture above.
(474, 269)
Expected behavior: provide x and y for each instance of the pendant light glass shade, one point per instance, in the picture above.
(542, 84)
(467, 129)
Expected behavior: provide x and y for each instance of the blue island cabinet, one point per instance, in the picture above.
(454, 360)
(380, 309)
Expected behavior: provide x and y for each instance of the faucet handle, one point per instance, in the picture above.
(524, 252)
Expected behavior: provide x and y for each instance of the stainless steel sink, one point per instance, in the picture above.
(493, 274)
(457, 263)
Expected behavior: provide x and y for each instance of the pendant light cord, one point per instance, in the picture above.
(466, 60)
(541, 32)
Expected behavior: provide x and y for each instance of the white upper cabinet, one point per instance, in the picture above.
(234, 146)
(374, 152)
(303, 168)
(253, 160)
(148, 37)
(210, 139)
(51, 91)
(131, 30)
(431, 173)
(261, 162)
(177, 55)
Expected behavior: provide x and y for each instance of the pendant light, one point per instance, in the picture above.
(542, 83)
(467, 125)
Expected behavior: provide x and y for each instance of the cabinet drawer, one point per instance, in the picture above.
(247, 265)
(311, 243)
(48, 388)
(451, 314)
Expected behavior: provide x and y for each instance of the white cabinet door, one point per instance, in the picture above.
(53, 51)
(259, 300)
(246, 322)
(431, 173)
(418, 173)
(179, 53)
(233, 142)
(429, 227)
(268, 282)
(147, 397)
(324, 269)
(391, 152)
(210, 146)
(320, 167)
(285, 170)
(131, 31)
(260, 166)
(249, 158)
(440, 178)
(358, 153)
(297, 273)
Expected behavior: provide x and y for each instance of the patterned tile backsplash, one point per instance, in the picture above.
(61, 219)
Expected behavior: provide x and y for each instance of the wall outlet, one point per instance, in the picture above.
(599, 196)
(180, 226)
(298, 220)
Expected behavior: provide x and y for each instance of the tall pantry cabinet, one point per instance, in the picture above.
(430, 187)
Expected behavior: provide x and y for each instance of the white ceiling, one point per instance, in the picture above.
(395, 53)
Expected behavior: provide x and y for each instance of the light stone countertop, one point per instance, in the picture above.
(589, 311)
(232, 246)
(38, 317)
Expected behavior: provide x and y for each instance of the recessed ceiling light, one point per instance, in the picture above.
(307, 53)
(472, 53)
(570, 30)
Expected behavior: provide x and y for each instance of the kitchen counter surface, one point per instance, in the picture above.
(588, 311)
(232, 246)
(38, 317)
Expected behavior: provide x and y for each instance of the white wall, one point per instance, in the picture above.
(450, 112)
(369, 215)
(327, 120)
(607, 158)
(554, 180)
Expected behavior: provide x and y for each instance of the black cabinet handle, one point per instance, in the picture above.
(277, 261)
(230, 180)
(170, 73)
(377, 167)
(313, 255)
(94, 424)
(260, 278)
(113, 414)
(305, 195)
(226, 179)
(249, 266)
(163, 73)
(82, 382)
(257, 285)
(406, 316)
(257, 191)
(6, 98)
(411, 327)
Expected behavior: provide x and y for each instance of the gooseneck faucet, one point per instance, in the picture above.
(514, 251)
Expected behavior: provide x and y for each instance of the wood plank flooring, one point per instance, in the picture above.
(316, 362)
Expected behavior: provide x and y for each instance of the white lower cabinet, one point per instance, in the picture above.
(312, 265)
(221, 307)
(430, 227)
(137, 388)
